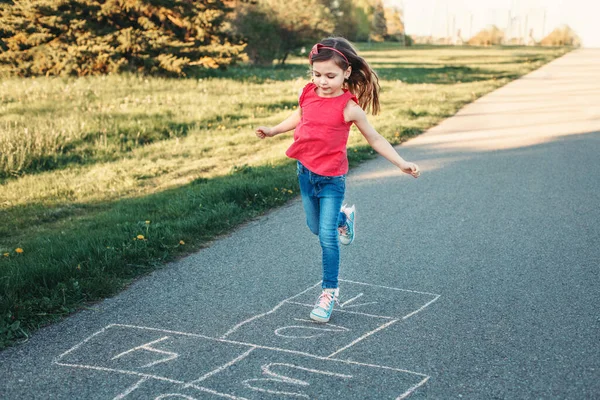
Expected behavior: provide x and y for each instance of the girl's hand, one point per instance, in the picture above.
(264, 131)
(411, 169)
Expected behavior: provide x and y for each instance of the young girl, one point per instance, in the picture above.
(343, 87)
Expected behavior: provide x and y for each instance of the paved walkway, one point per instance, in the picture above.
(478, 280)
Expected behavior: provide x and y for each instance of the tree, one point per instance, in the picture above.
(91, 37)
(487, 37)
(294, 23)
(362, 18)
(342, 13)
(395, 24)
(561, 36)
(378, 22)
(260, 31)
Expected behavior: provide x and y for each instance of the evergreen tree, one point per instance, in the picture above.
(90, 37)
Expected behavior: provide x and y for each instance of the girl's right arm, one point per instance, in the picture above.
(286, 125)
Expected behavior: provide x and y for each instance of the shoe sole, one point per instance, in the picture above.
(319, 319)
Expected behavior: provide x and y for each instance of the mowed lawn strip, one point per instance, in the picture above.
(107, 178)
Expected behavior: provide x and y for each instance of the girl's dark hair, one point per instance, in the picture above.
(363, 81)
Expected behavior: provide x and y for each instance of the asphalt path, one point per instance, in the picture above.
(478, 280)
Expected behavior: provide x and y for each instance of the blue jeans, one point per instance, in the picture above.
(322, 198)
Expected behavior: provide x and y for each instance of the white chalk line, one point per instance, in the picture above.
(143, 346)
(122, 371)
(267, 370)
(222, 367)
(235, 328)
(366, 335)
(320, 329)
(387, 287)
(81, 343)
(420, 309)
(147, 347)
(145, 378)
(412, 389)
(359, 305)
(228, 342)
(275, 392)
(204, 389)
(286, 379)
(344, 311)
(311, 322)
(284, 350)
(383, 327)
(211, 391)
(130, 389)
(351, 300)
(181, 396)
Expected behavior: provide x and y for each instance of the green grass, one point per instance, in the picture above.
(85, 163)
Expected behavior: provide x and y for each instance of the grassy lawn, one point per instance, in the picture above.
(103, 179)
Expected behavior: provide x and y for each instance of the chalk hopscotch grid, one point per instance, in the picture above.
(194, 384)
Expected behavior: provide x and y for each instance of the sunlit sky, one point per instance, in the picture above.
(437, 17)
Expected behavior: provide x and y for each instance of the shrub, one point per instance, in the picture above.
(488, 37)
(274, 29)
(93, 37)
(561, 36)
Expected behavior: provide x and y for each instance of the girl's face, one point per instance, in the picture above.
(329, 78)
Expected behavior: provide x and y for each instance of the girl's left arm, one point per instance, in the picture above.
(357, 115)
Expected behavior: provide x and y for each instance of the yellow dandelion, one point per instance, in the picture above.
(181, 242)
(147, 222)
(140, 237)
(6, 254)
(19, 250)
(290, 192)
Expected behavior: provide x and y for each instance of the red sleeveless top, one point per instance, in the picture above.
(321, 136)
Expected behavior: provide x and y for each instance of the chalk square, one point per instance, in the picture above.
(290, 328)
(167, 355)
(375, 300)
(267, 374)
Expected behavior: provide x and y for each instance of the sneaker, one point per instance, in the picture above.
(324, 307)
(348, 231)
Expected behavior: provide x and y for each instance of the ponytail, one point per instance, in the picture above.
(363, 82)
